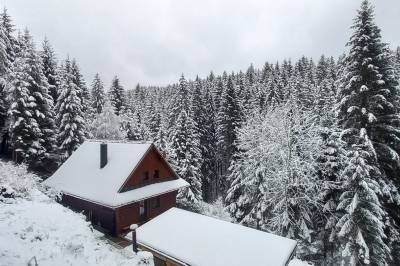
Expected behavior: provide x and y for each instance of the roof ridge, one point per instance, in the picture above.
(120, 141)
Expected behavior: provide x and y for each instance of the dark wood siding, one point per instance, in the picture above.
(129, 214)
(167, 201)
(152, 162)
(97, 214)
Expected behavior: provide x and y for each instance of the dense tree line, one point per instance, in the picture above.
(305, 149)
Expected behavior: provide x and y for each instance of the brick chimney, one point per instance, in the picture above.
(103, 154)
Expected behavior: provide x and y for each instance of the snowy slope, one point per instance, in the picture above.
(33, 225)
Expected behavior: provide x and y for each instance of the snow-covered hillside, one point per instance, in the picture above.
(33, 226)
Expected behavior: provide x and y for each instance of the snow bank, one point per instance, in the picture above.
(33, 226)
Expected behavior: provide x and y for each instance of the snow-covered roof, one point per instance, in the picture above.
(195, 239)
(81, 175)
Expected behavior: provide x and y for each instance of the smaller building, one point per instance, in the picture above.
(179, 237)
(117, 184)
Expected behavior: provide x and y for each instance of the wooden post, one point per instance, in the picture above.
(133, 227)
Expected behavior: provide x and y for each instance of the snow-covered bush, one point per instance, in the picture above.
(215, 209)
(16, 182)
(106, 125)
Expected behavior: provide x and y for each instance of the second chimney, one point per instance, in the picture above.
(103, 154)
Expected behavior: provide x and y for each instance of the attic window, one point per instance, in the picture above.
(156, 174)
(146, 176)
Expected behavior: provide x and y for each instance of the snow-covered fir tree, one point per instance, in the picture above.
(117, 96)
(361, 228)
(368, 101)
(70, 116)
(229, 118)
(31, 111)
(50, 69)
(4, 72)
(7, 57)
(184, 157)
(80, 83)
(98, 95)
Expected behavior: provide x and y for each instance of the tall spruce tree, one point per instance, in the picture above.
(32, 129)
(368, 95)
(185, 155)
(98, 96)
(361, 228)
(368, 109)
(117, 96)
(229, 118)
(11, 41)
(4, 72)
(7, 57)
(49, 62)
(79, 82)
(70, 116)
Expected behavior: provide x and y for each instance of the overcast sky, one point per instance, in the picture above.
(153, 42)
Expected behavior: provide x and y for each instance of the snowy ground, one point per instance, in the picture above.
(33, 226)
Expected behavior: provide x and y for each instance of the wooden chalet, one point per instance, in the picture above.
(117, 184)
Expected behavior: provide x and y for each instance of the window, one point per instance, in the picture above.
(159, 262)
(156, 202)
(141, 207)
(156, 174)
(146, 176)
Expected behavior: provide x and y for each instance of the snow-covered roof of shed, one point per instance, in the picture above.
(81, 175)
(196, 239)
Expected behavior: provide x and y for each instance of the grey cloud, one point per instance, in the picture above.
(153, 42)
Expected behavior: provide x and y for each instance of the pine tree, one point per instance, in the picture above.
(70, 116)
(367, 109)
(79, 82)
(367, 95)
(98, 96)
(49, 62)
(184, 157)
(135, 129)
(11, 41)
(329, 163)
(361, 226)
(32, 131)
(7, 57)
(397, 58)
(117, 96)
(181, 99)
(203, 114)
(4, 72)
(229, 118)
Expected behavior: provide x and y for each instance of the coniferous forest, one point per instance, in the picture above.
(306, 149)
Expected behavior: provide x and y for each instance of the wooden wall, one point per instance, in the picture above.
(97, 214)
(152, 161)
(129, 214)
